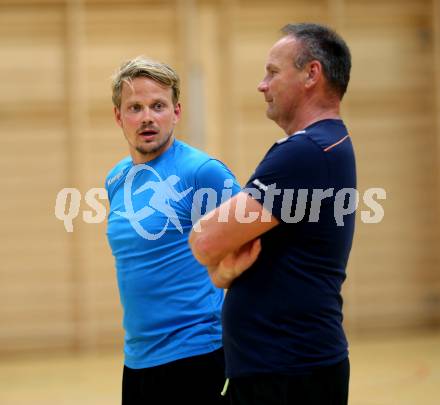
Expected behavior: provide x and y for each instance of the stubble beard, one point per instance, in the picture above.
(146, 150)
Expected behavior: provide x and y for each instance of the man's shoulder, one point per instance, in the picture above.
(185, 150)
(326, 133)
(201, 169)
(191, 158)
(117, 171)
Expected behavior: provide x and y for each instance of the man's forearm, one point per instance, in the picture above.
(213, 238)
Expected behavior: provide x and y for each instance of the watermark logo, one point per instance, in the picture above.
(306, 206)
(163, 193)
(67, 206)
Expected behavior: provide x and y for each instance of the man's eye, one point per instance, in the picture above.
(158, 106)
(135, 108)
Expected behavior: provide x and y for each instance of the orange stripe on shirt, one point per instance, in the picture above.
(336, 143)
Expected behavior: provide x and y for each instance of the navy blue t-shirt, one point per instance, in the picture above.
(284, 314)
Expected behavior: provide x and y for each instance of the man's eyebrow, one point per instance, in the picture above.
(160, 100)
(155, 100)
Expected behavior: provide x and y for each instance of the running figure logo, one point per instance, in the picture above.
(163, 192)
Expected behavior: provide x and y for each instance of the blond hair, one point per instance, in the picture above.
(141, 66)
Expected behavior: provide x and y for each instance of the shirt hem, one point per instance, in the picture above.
(164, 360)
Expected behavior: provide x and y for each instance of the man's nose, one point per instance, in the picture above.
(262, 86)
(146, 117)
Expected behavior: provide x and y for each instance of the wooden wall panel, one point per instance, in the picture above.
(392, 120)
(35, 274)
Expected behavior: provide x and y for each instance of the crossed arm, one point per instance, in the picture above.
(227, 239)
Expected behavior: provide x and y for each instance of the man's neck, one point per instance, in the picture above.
(309, 119)
(319, 106)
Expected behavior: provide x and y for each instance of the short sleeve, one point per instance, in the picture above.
(291, 166)
(215, 184)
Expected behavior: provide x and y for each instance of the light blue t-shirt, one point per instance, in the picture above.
(171, 308)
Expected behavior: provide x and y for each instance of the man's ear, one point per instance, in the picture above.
(314, 73)
(177, 112)
(117, 113)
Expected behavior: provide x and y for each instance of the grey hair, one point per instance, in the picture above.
(323, 44)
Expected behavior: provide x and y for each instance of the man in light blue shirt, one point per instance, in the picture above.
(173, 349)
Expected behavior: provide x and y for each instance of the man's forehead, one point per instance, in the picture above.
(143, 82)
(282, 52)
(283, 46)
(145, 86)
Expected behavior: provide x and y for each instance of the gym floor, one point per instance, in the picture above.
(397, 370)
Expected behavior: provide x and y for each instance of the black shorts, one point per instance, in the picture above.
(323, 386)
(196, 380)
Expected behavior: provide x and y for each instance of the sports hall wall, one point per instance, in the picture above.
(58, 288)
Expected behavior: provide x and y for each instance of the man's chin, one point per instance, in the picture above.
(148, 149)
(151, 147)
(270, 114)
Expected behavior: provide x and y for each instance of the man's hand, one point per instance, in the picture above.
(235, 263)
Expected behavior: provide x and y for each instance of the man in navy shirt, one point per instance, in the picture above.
(284, 249)
(172, 311)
